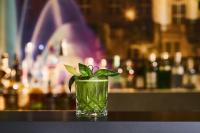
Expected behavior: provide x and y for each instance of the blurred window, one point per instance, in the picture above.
(114, 7)
(85, 6)
(145, 9)
(178, 12)
(168, 47)
(177, 46)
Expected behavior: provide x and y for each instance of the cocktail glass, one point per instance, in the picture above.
(91, 97)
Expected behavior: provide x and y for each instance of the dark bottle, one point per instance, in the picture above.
(16, 68)
(177, 72)
(151, 72)
(6, 70)
(190, 75)
(11, 93)
(198, 73)
(129, 74)
(36, 97)
(62, 99)
(164, 72)
(11, 96)
(49, 100)
(139, 80)
(11, 89)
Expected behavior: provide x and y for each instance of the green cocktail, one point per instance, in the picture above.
(91, 90)
(91, 97)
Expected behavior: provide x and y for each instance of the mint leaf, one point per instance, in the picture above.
(71, 70)
(83, 77)
(105, 73)
(71, 81)
(84, 70)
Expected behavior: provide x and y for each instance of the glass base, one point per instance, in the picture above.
(80, 113)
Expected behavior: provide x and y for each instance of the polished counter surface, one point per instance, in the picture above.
(70, 116)
(115, 122)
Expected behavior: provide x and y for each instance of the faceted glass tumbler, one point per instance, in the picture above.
(91, 98)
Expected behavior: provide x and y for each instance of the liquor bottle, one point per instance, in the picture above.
(151, 72)
(2, 99)
(23, 93)
(52, 63)
(164, 72)
(36, 96)
(23, 96)
(2, 87)
(118, 81)
(16, 68)
(10, 93)
(139, 80)
(11, 96)
(177, 72)
(129, 74)
(198, 73)
(6, 70)
(62, 99)
(49, 100)
(190, 76)
(27, 64)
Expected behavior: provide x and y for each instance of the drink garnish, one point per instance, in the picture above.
(85, 73)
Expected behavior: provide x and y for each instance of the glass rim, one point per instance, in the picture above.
(92, 80)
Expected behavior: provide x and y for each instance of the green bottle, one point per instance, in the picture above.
(164, 72)
(151, 72)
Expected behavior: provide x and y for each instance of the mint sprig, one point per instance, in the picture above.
(86, 73)
(84, 70)
(105, 73)
(71, 70)
(71, 81)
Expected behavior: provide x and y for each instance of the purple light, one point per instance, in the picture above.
(41, 47)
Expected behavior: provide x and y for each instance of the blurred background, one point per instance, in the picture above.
(153, 44)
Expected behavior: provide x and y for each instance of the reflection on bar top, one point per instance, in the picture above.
(113, 116)
(173, 90)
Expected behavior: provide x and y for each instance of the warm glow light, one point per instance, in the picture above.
(162, 12)
(190, 64)
(29, 47)
(152, 57)
(178, 57)
(155, 64)
(2, 103)
(103, 63)
(116, 61)
(89, 61)
(128, 63)
(15, 86)
(165, 55)
(130, 14)
(192, 9)
(120, 70)
(131, 72)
